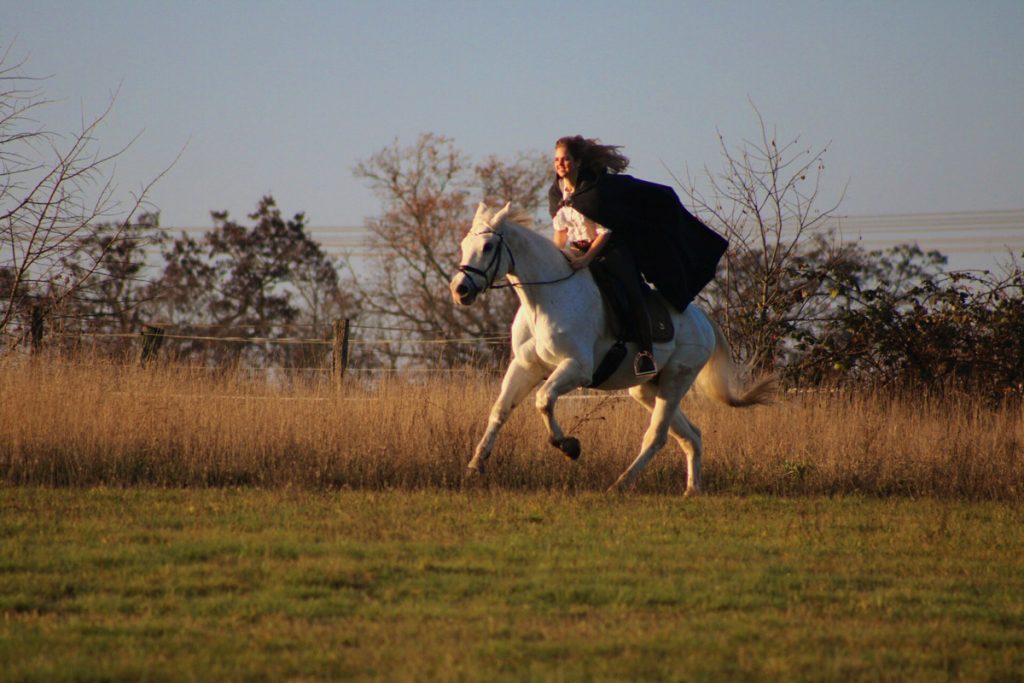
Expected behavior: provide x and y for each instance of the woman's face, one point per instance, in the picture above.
(565, 165)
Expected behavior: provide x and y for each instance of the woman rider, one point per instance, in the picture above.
(580, 165)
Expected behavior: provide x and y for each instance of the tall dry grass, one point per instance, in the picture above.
(67, 424)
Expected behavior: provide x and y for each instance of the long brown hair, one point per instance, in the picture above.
(590, 154)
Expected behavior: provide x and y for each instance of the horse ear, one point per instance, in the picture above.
(501, 215)
(481, 216)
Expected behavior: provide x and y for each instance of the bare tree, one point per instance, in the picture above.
(766, 201)
(54, 192)
(429, 191)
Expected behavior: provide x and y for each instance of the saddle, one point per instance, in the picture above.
(616, 304)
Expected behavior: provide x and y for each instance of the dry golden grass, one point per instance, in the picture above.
(67, 424)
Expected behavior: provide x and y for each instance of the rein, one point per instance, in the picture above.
(496, 262)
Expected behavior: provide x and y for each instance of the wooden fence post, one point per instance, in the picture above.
(152, 340)
(37, 327)
(340, 354)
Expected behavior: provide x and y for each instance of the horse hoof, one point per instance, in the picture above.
(571, 447)
(621, 485)
(474, 471)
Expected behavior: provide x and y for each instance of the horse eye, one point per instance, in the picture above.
(488, 247)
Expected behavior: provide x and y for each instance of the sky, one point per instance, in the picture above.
(920, 104)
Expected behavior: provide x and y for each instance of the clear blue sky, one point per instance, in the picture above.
(920, 102)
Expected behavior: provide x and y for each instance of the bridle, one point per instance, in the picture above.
(495, 262)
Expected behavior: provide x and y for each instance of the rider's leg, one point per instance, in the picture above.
(620, 262)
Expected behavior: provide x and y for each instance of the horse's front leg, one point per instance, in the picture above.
(519, 380)
(569, 375)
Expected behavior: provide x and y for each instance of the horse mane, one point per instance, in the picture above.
(523, 224)
(517, 216)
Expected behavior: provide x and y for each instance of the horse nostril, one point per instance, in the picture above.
(462, 290)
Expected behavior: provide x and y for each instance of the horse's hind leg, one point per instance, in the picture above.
(689, 439)
(681, 428)
(655, 439)
(519, 380)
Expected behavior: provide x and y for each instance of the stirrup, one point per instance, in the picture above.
(644, 365)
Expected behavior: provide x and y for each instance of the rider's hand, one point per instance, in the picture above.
(579, 262)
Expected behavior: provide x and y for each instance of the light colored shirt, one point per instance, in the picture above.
(578, 226)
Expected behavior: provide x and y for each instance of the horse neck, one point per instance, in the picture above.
(537, 260)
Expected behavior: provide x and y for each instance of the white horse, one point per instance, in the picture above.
(560, 334)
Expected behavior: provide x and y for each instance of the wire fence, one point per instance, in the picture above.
(150, 342)
(313, 341)
(272, 374)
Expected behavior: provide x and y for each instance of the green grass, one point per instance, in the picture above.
(129, 584)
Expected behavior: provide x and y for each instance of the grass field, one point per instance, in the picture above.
(247, 584)
(171, 525)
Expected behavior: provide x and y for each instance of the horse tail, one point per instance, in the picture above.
(719, 376)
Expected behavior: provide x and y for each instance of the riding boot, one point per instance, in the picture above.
(643, 363)
(622, 265)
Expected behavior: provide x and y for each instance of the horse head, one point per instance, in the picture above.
(485, 256)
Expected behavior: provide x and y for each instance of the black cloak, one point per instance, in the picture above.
(674, 250)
